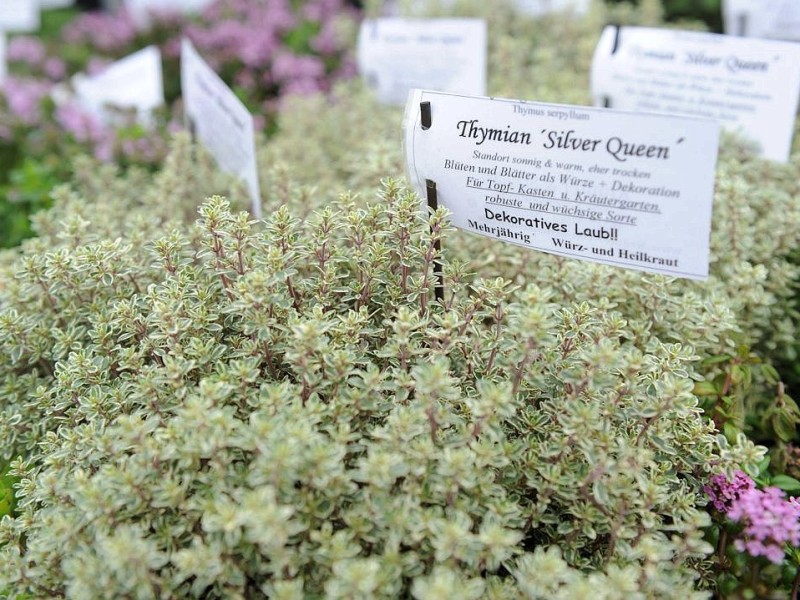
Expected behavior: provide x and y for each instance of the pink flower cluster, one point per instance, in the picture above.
(250, 43)
(724, 493)
(29, 51)
(108, 32)
(23, 98)
(769, 520)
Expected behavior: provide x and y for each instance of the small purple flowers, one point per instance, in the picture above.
(724, 493)
(769, 521)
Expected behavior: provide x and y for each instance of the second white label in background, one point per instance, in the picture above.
(141, 11)
(751, 86)
(777, 19)
(543, 7)
(3, 60)
(48, 4)
(626, 189)
(134, 82)
(19, 15)
(535, 8)
(220, 121)
(397, 55)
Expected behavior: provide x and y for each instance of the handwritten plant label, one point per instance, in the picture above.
(220, 121)
(141, 11)
(778, 19)
(749, 85)
(627, 189)
(134, 82)
(20, 15)
(397, 55)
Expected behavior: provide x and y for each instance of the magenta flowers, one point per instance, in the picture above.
(724, 493)
(769, 521)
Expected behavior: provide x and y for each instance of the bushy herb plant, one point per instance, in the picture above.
(242, 409)
(236, 409)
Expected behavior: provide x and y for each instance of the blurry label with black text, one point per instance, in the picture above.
(776, 19)
(20, 15)
(219, 121)
(751, 86)
(397, 55)
(626, 189)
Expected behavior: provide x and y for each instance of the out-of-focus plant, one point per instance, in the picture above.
(266, 51)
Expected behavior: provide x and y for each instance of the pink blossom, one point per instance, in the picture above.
(724, 493)
(24, 97)
(327, 41)
(97, 65)
(83, 126)
(291, 67)
(26, 49)
(55, 68)
(302, 87)
(105, 31)
(770, 522)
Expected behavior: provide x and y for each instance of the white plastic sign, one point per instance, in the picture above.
(535, 8)
(3, 60)
(542, 7)
(777, 19)
(19, 15)
(749, 85)
(141, 11)
(220, 121)
(397, 55)
(48, 4)
(627, 189)
(134, 82)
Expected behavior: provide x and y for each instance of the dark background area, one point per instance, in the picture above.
(709, 11)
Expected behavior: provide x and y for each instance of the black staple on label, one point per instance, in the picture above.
(742, 25)
(606, 102)
(433, 204)
(425, 115)
(617, 32)
(433, 199)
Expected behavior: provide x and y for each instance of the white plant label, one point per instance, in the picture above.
(531, 7)
(539, 8)
(627, 189)
(142, 10)
(134, 82)
(778, 19)
(20, 15)
(3, 60)
(751, 86)
(397, 55)
(220, 121)
(48, 4)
